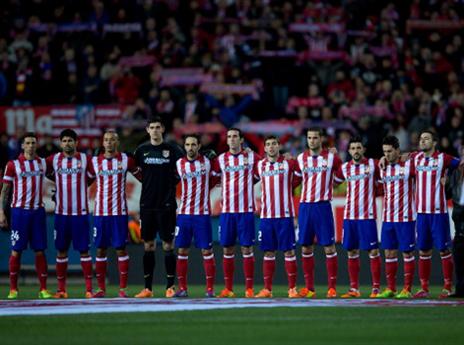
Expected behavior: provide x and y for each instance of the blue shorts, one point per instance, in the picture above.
(28, 227)
(233, 225)
(72, 228)
(196, 226)
(433, 230)
(276, 234)
(315, 220)
(110, 231)
(360, 234)
(399, 235)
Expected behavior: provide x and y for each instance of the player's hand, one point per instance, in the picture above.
(383, 163)
(288, 155)
(3, 220)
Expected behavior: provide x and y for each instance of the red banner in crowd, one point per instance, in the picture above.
(87, 120)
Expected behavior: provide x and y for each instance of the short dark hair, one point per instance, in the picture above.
(68, 132)
(355, 139)
(192, 135)
(28, 135)
(240, 134)
(315, 129)
(392, 141)
(155, 119)
(432, 133)
(271, 137)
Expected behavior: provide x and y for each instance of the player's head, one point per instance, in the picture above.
(29, 143)
(234, 139)
(272, 146)
(427, 141)
(391, 148)
(192, 145)
(155, 128)
(68, 141)
(110, 141)
(356, 148)
(314, 138)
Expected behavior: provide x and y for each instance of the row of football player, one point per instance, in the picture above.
(236, 169)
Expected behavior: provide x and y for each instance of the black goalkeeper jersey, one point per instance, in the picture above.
(159, 174)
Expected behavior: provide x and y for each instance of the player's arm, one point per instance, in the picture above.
(215, 173)
(6, 186)
(339, 177)
(50, 172)
(135, 170)
(297, 177)
(91, 174)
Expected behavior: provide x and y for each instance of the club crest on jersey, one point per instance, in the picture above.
(367, 170)
(401, 171)
(324, 163)
(79, 165)
(165, 153)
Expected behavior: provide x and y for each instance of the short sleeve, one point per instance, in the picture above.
(9, 175)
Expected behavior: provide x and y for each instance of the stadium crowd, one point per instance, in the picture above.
(356, 67)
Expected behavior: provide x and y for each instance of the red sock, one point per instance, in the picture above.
(332, 268)
(391, 268)
(100, 269)
(376, 267)
(14, 266)
(181, 269)
(210, 271)
(86, 263)
(41, 269)
(228, 263)
(353, 271)
(268, 271)
(447, 266)
(409, 267)
(123, 266)
(308, 270)
(249, 270)
(425, 266)
(290, 267)
(61, 271)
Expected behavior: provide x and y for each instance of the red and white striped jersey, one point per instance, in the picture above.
(236, 172)
(194, 177)
(110, 175)
(317, 175)
(277, 182)
(430, 186)
(27, 178)
(70, 175)
(360, 196)
(398, 186)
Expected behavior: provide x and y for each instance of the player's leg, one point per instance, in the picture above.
(81, 242)
(351, 243)
(389, 242)
(166, 222)
(406, 234)
(38, 236)
(227, 235)
(325, 232)
(458, 249)
(246, 236)
(442, 241)
(286, 243)
(19, 240)
(203, 234)
(148, 232)
(306, 233)
(119, 233)
(425, 245)
(368, 241)
(267, 237)
(62, 234)
(102, 237)
(183, 239)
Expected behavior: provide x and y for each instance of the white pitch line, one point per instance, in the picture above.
(107, 305)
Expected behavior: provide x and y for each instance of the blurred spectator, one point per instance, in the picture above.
(48, 147)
